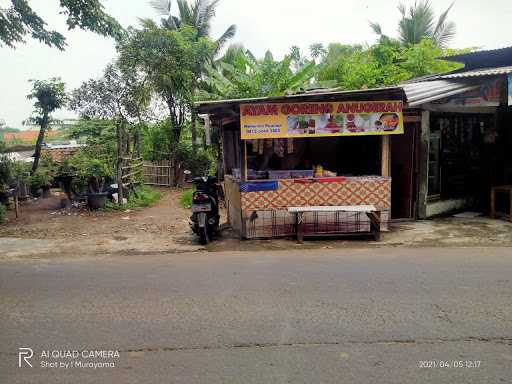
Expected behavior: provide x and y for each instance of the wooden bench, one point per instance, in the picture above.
(370, 211)
(501, 189)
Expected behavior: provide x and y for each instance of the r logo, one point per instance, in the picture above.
(25, 354)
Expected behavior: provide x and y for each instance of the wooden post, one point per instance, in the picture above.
(423, 164)
(300, 227)
(127, 138)
(386, 156)
(493, 203)
(221, 165)
(244, 160)
(137, 143)
(120, 146)
(171, 173)
(243, 171)
(510, 198)
(16, 204)
(375, 224)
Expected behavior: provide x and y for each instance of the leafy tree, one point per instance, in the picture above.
(422, 59)
(199, 15)
(332, 68)
(118, 95)
(383, 64)
(120, 99)
(20, 20)
(168, 60)
(99, 135)
(49, 95)
(418, 22)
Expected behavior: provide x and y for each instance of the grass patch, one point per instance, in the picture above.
(144, 197)
(186, 198)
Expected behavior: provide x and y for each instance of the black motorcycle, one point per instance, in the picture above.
(205, 208)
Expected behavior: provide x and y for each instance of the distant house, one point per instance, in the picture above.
(28, 137)
(60, 151)
(25, 156)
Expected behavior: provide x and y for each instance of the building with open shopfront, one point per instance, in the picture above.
(424, 148)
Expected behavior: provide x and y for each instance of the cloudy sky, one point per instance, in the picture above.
(262, 25)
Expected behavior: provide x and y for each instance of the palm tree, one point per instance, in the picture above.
(317, 50)
(419, 22)
(198, 14)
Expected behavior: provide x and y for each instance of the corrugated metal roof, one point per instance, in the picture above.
(227, 107)
(477, 55)
(478, 72)
(427, 91)
(307, 94)
(464, 74)
(416, 93)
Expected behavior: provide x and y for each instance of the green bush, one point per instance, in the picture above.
(5, 169)
(90, 170)
(155, 141)
(41, 178)
(144, 196)
(186, 198)
(20, 172)
(197, 162)
(2, 213)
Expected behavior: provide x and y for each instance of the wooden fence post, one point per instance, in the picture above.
(171, 173)
(120, 146)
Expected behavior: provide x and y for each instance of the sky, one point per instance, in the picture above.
(263, 25)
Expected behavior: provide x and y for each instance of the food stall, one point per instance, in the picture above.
(323, 150)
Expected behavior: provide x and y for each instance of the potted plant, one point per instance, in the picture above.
(93, 173)
(40, 183)
(64, 177)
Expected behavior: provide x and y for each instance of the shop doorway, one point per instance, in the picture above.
(402, 172)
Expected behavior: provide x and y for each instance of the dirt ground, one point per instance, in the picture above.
(46, 229)
(163, 227)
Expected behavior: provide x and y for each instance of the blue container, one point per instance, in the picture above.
(259, 187)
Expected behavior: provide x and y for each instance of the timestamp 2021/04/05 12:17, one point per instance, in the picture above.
(449, 363)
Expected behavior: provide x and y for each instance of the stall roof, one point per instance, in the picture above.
(427, 91)
(479, 72)
(316, 95)
(414, 93)
(481, 59)
(461, 74)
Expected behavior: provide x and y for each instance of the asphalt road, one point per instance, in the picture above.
(388, 315)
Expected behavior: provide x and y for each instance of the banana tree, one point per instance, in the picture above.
(244, 76)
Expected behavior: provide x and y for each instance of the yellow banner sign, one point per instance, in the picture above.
(346, 118)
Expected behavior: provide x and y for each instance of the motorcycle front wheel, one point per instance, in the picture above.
(204, 236)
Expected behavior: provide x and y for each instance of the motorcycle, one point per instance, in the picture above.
(205, 208)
